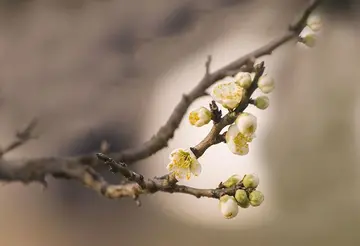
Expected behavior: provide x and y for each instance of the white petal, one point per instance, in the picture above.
(228, 207)
(196, 168)
(232, 132)
(246, 123)
(174, 153)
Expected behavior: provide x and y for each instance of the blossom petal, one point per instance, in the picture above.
(196, 168)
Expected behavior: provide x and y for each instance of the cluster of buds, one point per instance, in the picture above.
(245, 195)
(309, 35)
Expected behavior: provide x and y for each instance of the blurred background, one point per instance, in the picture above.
(114, 70)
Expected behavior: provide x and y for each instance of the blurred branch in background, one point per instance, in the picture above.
(22, 137)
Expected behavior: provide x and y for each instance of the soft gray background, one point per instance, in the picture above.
(88, 70)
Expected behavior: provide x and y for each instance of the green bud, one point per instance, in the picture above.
(262, 102)
(251, 181)
(256, 198)
(232, 181)
(242, 198)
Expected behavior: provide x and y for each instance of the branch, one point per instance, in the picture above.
(22, 137)
(137, 185)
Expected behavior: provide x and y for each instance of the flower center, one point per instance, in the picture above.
(194, 117)
(184, 160)
(241, 140)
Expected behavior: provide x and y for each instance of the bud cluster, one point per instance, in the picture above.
(245, 195)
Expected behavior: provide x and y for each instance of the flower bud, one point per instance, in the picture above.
(266, 84)
(242, 198)
(200, 117)
(232, 181)
(227, 93)
(228, 206)
(243, 79)
(314, 23)
(251, 181)
(262, 102)
(256, 198)
(246, 123)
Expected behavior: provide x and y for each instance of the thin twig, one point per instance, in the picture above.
(22, 137)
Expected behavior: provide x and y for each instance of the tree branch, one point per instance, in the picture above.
(137, 185)
(22, 137)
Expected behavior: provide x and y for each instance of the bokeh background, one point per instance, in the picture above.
(114, 69)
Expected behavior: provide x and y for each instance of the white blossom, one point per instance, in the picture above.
(236, 141)
(246, 124)
(183, 163)
(308, 37)
(228, 93)
(200, 117)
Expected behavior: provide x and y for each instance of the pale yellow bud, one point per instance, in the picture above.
(256, 198)
(262, 102)
(232, 181)
(251, 181)
(243, 79)
(242, 198)
(266, 84)
(314, 23)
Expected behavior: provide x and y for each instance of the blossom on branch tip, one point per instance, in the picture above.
(228, 93)
(256, 198)
(200, 117)
(243, 79)
(309, 40)
(251, 181)
(262, 102)
(246, 124)
(232, 181)
(228, 206)
(242, 198)
(314, 23)
(183, 164)
(266, 84)
(236, 141)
